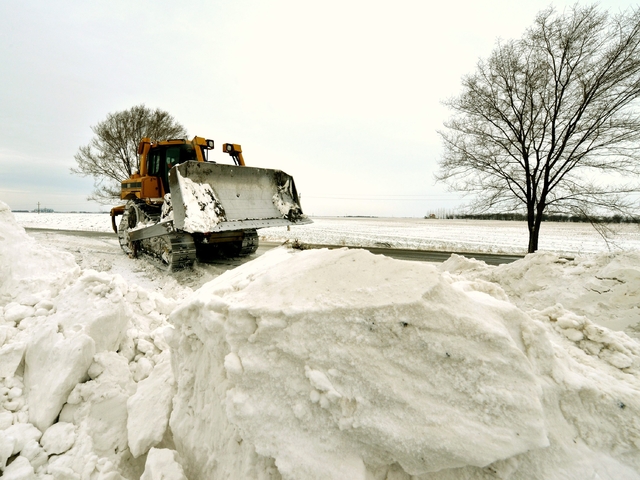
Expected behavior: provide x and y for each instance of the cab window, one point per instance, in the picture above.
(187, 153)
(155, 160)
(163, 159)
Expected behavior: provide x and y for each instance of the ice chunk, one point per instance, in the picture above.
(18, 312)
(33, 452)
(149, 408)
(163, 464)
(10, 358)
(53, 366)
(20, 469)
(99, 407)
(94, 304)
(58, 438)
(22, 433)
(7, 444)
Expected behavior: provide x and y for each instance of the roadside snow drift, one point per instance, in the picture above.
(320, 365)
(343, 364)
(26, 268)
(79, 352)
(333, 361)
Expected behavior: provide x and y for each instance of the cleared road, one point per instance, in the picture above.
(401, 254)
(421, 255)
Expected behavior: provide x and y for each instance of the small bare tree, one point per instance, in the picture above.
(548, 123)
(112, 155)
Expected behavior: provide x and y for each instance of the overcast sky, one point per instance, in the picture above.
(345, 96)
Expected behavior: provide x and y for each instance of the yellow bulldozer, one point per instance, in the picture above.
(182, 206)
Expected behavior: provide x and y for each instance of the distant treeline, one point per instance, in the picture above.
(547, 218)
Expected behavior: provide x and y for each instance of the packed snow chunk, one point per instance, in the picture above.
(94, 305)
(202, 209)
(335, 362)
(19, 469)
(99, 406)
(459, 264)
(162, 464)
(10, 357)
(22, 433)
(36, 455)
(149, 408)
(25, 267)
(17, 312)
(603, 287)
(58, 438)
(7, 443)
(54, 365)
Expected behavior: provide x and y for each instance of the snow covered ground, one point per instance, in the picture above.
(411, 233)
(322, 364)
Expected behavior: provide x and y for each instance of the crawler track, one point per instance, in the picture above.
(172, 251)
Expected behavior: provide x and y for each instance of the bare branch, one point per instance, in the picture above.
(548, 112)
(112, 154)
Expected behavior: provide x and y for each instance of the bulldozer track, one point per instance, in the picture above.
(172, 251)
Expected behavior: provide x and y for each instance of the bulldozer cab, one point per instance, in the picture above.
(162, 158)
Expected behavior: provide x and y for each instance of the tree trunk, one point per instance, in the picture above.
(534, 233)
(534, 221)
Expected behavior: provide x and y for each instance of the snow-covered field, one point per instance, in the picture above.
(411, 233)
(325, 364)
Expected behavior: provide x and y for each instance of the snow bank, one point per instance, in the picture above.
(79, 352)
(332, 362)
(320, 364)
(604, 287)
(28, 273)
(343, 364)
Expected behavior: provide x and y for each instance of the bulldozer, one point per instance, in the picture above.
(181, 206)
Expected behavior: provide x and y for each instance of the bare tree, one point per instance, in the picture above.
(112, 155)
(548, 123)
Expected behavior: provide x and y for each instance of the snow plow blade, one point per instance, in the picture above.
(212, 197)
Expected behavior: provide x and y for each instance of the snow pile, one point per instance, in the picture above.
(25, 268)
(319, 365)
(85, 377)
(604, 287)
(342, 364)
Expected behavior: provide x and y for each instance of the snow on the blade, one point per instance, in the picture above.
(320, 364)
(284, 202)
(202, 210)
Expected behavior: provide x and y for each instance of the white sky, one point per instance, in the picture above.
(343, 95)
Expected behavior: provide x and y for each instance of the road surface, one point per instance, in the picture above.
(401, 254)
